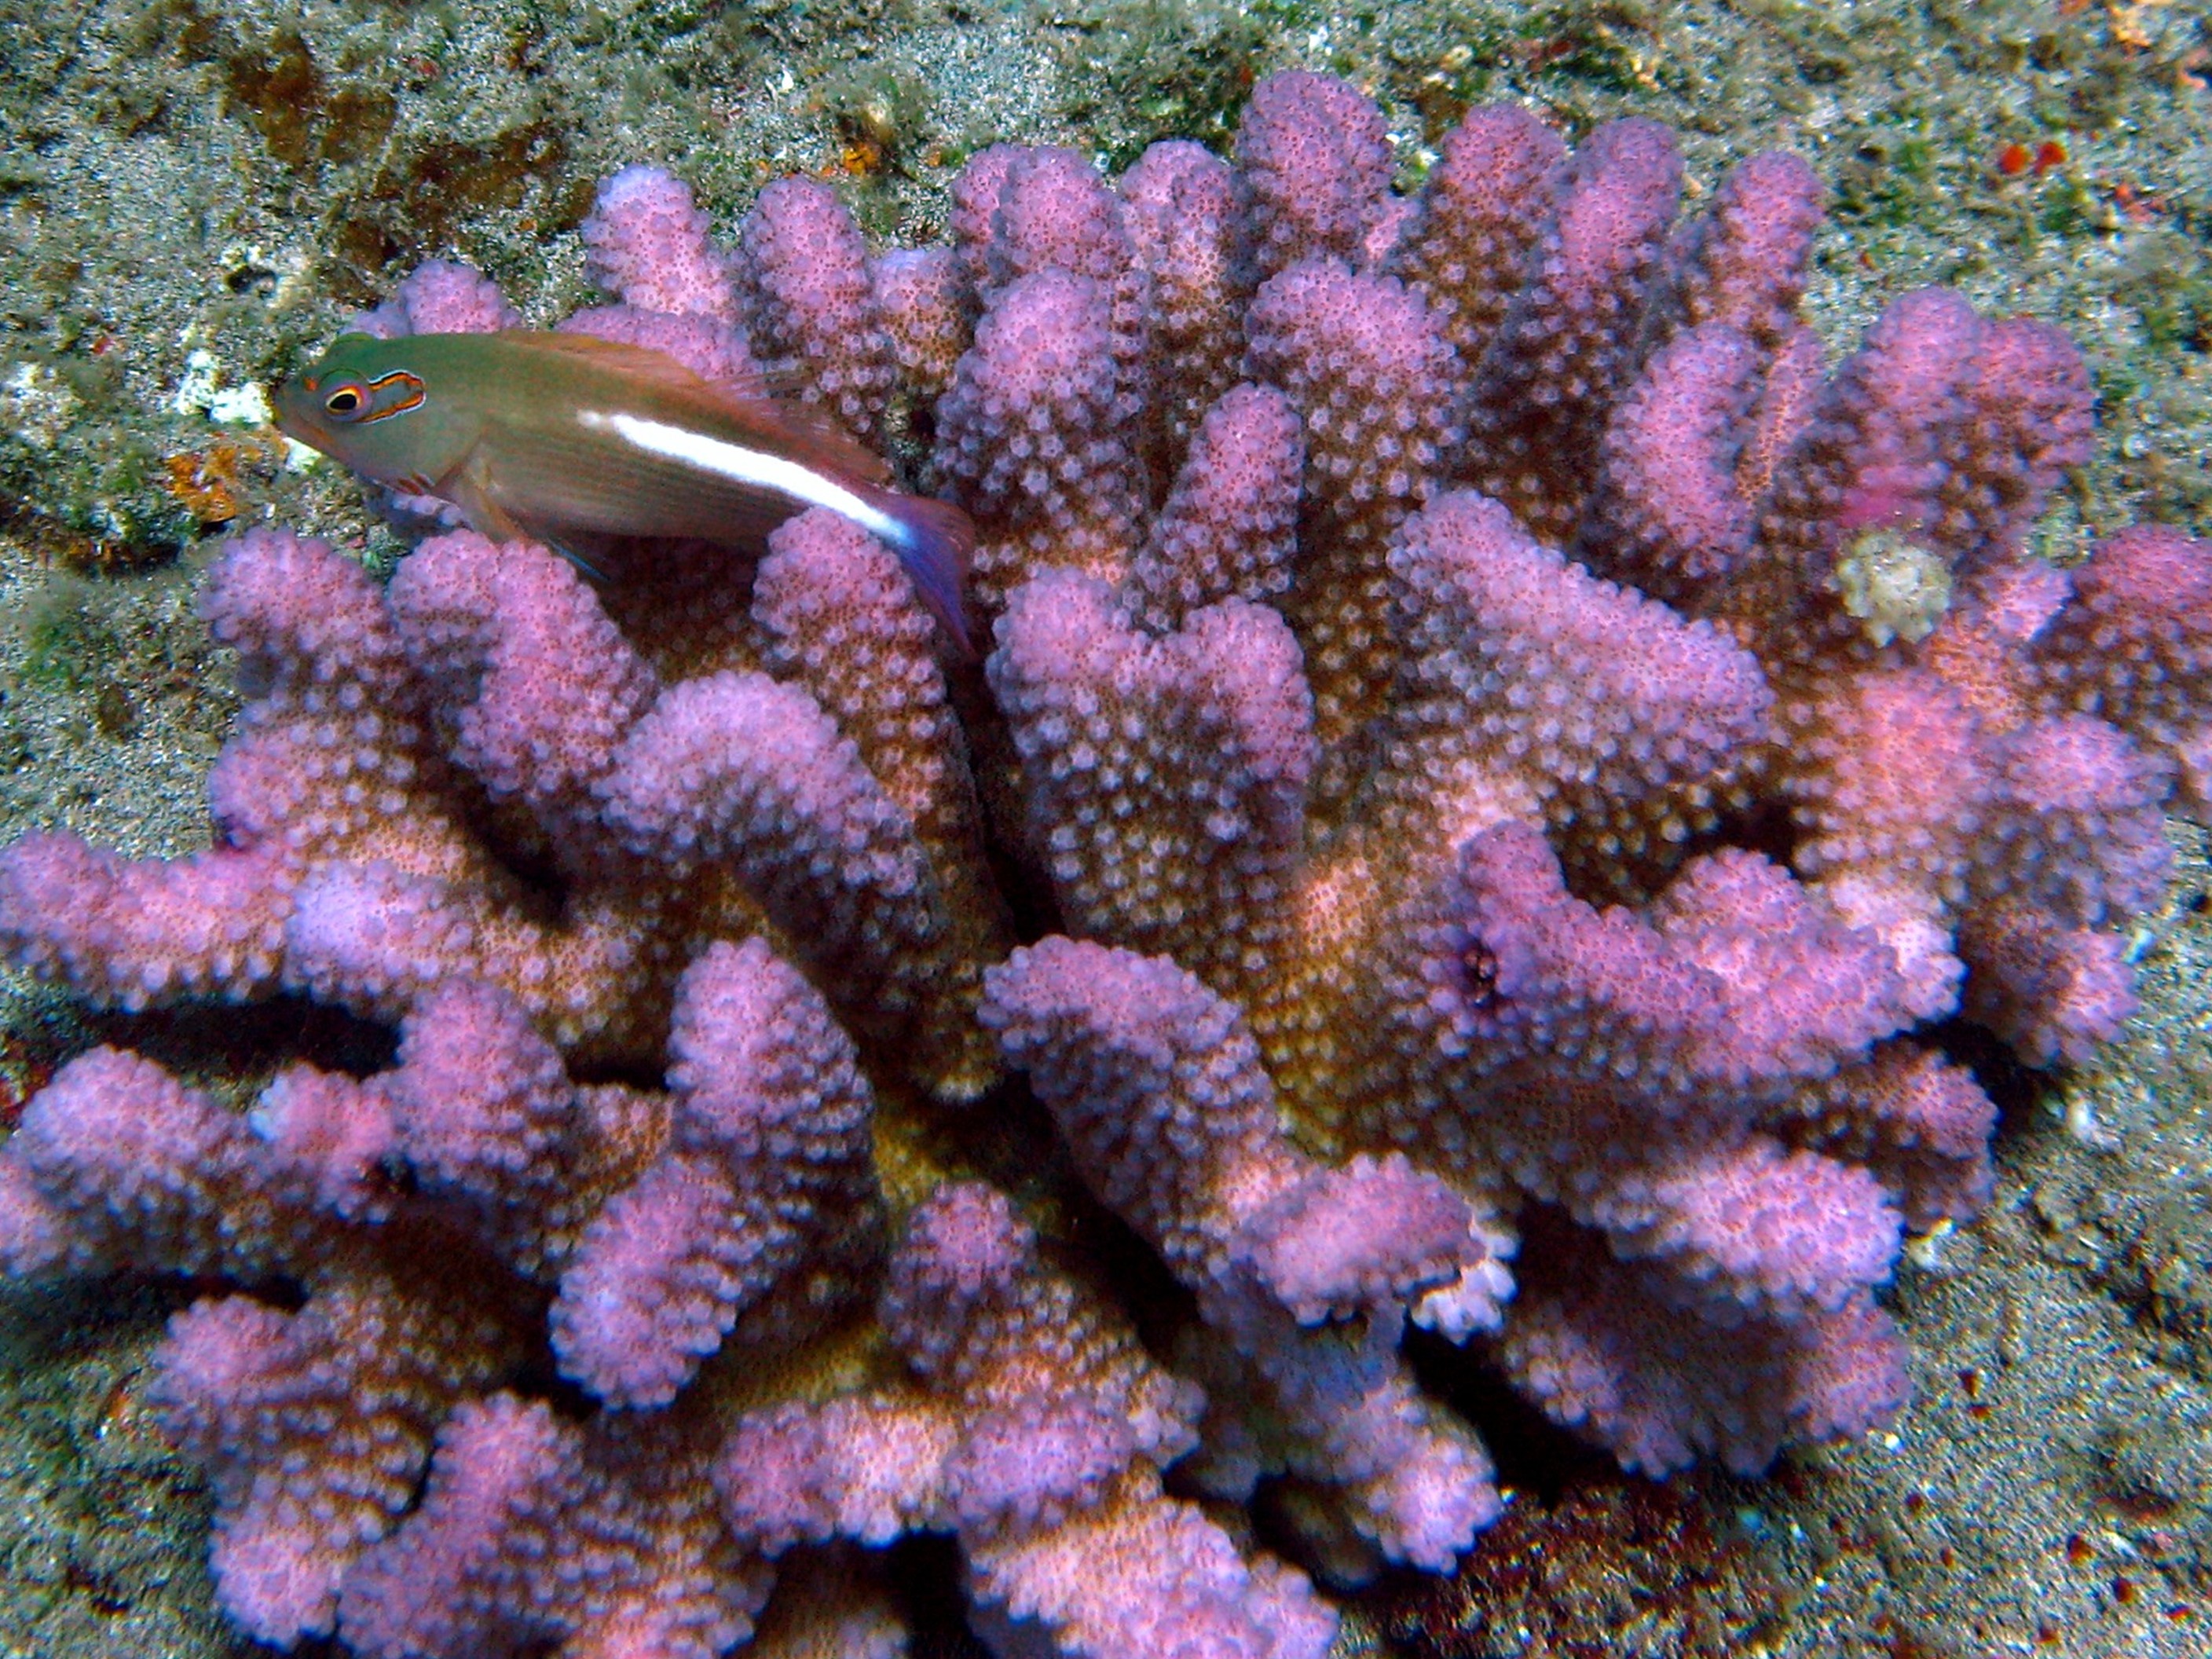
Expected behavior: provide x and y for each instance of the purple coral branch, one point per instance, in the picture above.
(1393, 824)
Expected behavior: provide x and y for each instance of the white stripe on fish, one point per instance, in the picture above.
(755, 468)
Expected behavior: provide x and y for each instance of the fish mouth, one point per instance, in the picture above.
(291, 420)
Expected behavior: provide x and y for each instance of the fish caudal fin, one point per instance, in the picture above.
(934, 547)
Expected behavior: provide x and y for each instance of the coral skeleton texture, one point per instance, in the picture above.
(1492, 755)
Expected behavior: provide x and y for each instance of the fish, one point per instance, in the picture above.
(583, 444)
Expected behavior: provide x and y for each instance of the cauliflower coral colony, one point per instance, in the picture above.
(1490, 751)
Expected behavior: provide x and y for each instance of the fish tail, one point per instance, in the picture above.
(934, 548)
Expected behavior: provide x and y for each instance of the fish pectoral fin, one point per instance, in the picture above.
(468, 489)
(582, 551)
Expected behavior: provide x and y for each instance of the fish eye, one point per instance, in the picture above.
(345, 401)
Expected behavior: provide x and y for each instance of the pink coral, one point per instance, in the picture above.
(441, 297)
(1313, 174)
(2134, 646)
(1517, 913)
(1160, 1095)
(1028, 432)
(1660, 1393)
(1035, 1428)
(316, 1425)
(768, 1138)
(1467, 249)
(646, 240)
(1179, 204)
(1921, 1124)
(812, 304)
(1567, 342)
(532, 1531)
(1668, 513)
(1742, 263)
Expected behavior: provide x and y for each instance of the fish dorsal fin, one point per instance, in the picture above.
(786, 385)
(618, 356)
(768, 400)
(824, 444)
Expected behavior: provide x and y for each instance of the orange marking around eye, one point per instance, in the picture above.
(412, 388)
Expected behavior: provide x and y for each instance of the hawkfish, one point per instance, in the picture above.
(584, 445)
